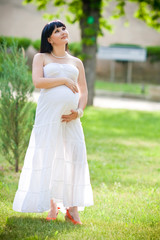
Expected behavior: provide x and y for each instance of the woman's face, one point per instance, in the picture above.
(59, 36)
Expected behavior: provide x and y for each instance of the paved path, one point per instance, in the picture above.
(120, 103)
(126, 103)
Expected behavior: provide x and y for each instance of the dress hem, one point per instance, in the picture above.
(80, 208)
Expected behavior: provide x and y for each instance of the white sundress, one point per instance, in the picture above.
(55, 164)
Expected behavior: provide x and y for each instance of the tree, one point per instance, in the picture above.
(89, 15)
(16, 113)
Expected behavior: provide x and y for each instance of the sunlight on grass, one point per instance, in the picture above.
(132, 88)
(123, 155)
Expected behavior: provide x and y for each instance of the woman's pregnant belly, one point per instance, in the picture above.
(59, 97)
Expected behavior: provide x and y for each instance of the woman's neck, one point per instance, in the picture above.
(59, 51)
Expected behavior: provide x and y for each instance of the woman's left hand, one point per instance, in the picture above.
(70, 117)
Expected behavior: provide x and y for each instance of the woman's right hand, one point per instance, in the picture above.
(71, 84)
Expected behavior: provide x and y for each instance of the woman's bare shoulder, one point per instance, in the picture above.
(40, 58)
(76, 61)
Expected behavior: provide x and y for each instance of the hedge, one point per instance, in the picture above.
(36, 44)
(125, 45)
(153, 52)
(75, 48)
(21, 42)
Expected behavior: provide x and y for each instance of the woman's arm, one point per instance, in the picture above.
(40, 81)
(82, 86)
(83, 92)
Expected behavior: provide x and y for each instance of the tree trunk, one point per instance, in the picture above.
(89, 25)
(90, 69)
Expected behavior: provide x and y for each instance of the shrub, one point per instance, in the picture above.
(125, 45)
(153, 53)
(75, 48)
(20, 42)
(36, 44)
(16, 118)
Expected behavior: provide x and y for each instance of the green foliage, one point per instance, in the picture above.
(41, 4)
(75, 10)
(153, 53)
(36, 44)
(119, 10)
(125, 45)
(75, 48)
(16, 86)
(153, 50)
(149, 11)
(104, 24)
(21, 42)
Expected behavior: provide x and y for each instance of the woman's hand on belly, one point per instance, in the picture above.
(71, 84)
(72, 116)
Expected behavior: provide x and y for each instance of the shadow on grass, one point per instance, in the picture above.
(34, 228)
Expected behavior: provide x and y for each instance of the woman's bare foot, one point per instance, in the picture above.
(74, 213)
(53, 211)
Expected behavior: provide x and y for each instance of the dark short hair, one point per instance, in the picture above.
(46, 47)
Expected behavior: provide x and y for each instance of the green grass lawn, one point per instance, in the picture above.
(132, 88)
(124, 160)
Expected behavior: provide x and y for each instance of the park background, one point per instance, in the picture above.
(25, 21)
(122, 145)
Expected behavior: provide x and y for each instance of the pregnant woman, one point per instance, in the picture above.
(55, 174)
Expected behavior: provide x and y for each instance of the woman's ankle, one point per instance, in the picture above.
(74, 213)
(53, 205)
(73, 209)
